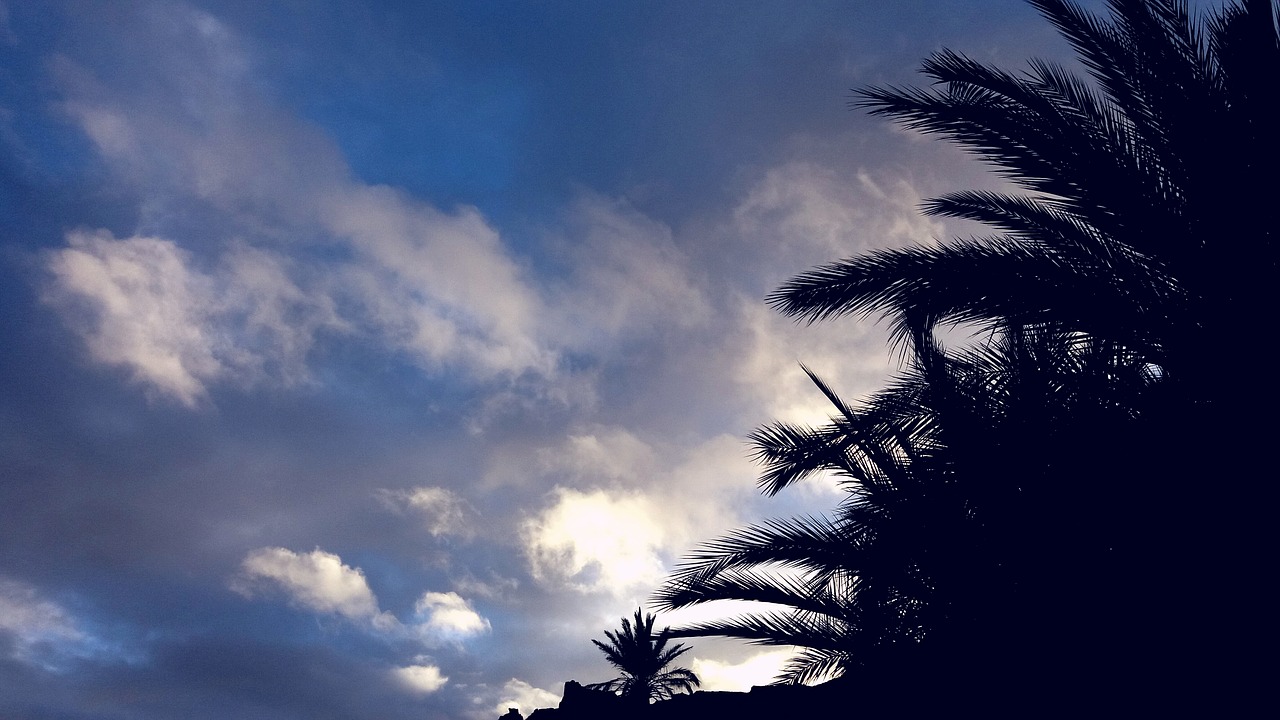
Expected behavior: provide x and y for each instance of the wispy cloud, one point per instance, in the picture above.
(39, 630)
(439, 286)
(442, 511)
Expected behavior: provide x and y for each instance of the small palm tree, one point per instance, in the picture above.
(643, 656)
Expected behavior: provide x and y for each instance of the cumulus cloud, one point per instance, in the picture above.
(317, 580)
(419, 679)
(447, 618)
(524, 697)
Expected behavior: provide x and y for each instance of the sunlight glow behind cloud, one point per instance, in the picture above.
(596, 541)
(759, 669)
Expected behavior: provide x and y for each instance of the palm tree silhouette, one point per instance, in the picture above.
(936, 547)
(1047, 496)
(1140, 187)
(643, 657)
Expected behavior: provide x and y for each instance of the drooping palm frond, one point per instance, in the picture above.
(1136, 181)
(1043, 493)
(945, 516)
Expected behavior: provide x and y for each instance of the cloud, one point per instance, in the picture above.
(237, 182)
(759, 669)
(825, 212)
(137, 305)
(317, 580)
(524, 697)
(628, 277)
(597, 541)
(447, 618)
(443, 512)
(446, 289)
(37, 626)
(637, 506)
(420, 679)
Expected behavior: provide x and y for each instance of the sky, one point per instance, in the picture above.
(366, 360)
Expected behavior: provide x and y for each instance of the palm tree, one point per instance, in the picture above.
(643, 657)
(934, 550)
(1049, 492)
(1142, 190)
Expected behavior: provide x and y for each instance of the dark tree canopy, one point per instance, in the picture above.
(643, 657)
(1070, 508)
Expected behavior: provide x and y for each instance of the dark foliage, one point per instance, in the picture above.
(1070, 509)
(643, 658)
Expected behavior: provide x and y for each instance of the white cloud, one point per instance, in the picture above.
(769, 351)
(640, 506)
(137, 305)
(420, 679)
(275, 321)
(525, 698)
(443, 287)
(600, 455)
(448, 618)
(443, 512)
(759, 669)
(317, 580)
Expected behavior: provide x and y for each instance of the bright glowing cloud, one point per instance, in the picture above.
(596, 541)
(420, 679)
(448, 617)
(759, 669)
(524, 697)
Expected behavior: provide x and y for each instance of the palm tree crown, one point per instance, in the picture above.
(643, 657)
(1062, 490)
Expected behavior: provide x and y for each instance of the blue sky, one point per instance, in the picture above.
(365, 360)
